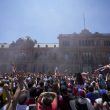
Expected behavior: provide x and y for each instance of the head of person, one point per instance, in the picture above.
(80, 103)
(47, 100)
(91, 88)
(55, 87)
(48, 81)
(33, 92)
(41, 83)
(22, 99)
(30, 84)
(64, 90)
(79, 79)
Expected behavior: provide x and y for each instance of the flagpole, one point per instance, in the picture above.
(84, 20)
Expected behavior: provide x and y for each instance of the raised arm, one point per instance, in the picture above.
(17, 93)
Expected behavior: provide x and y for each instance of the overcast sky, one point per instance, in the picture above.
(44, 20)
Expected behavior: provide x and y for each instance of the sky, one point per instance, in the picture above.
(44, 20)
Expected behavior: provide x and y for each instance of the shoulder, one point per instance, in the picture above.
(54, 105)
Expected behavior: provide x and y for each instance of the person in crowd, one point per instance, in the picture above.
(22, 102)
(79, 83)
(40, 87)
(91, 95)
(63, 102)
(47, 101)
(31, 100)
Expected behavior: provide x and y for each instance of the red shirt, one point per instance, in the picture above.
(30, 101)
(53, 106)
(63, 104)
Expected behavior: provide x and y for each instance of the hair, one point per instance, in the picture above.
(91, 88)
(22, 99)
(55, 87)
(30, 84)
(79, 79)
(33, 92)
(48, 81)
(41, 83)
(47, 99)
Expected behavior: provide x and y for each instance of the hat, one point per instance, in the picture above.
(75, 91)
(63, 89)
(80, 104)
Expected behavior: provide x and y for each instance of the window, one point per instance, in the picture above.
(82, 43)
(68, 43)
(45, 69)
(46, 45)
(108, 55)
(20, 55)
(16, 55)
(79, 43)
(54, 56)
(45, 57)
(92, 43)
(106, 43)
(65, 43)
(26, 55)
(75, 56)
(54, 45)
(85, 43)
(35, 68)
(36, 56)
(109, 42)
(76, 69)
(99, 56)
(66, 56)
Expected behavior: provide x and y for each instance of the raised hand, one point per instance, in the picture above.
(5, 86)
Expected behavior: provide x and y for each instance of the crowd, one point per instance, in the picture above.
(29, 91)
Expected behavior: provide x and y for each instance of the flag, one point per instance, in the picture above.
(13, 67)
(84, 74)
(65, 71)
(56, 71)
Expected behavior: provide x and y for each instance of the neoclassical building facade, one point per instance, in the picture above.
(83, 52)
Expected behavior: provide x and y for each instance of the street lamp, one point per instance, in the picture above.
(87, 56)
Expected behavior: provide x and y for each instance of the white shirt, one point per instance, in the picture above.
(22, 107)
(18, 107)
(100, 100)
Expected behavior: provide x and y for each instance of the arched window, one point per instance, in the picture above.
(66, 56)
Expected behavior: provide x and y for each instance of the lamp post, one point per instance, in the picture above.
(87, 56)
